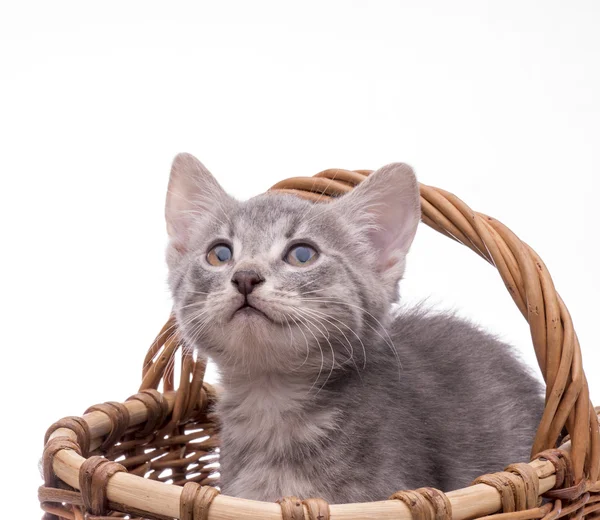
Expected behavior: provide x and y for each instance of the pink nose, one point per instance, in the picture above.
(245, 281)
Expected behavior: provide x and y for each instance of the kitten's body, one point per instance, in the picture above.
(324, 392)
(460, 406)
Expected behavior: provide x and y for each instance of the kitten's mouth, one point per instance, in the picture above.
(247, 309)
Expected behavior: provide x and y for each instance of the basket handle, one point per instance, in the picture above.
(527, 280)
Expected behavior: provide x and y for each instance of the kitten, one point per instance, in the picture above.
(325, 393)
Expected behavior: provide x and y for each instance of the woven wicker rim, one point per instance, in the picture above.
(133, 492)
(554, 340)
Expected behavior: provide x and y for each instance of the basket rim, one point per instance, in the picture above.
(160, 498)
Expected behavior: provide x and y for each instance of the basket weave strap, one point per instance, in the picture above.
(60, 496)
(439, 501)
(195, 501)
(318, 509)
(78, 426)
(94, 475)
(570, 493)
(58, 503)
(157, 409)
(518, 485)
(561, 461)
(50, 450)
(118, 414)
(556, 509)
(549, 511)
(511, 489)
(425, 503)
(531, 481)
(564, 487)
(292, 508)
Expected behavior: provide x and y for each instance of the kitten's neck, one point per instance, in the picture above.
(276, 392)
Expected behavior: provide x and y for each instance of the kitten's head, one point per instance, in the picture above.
(280, 284)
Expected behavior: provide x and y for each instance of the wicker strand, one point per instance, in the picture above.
(119, 421)
(165, 345)
(50, 450)
(562, 466)
(425, 503)
(420, 507)
(593, 505)
(183, 394)
(573, 510)
(59, 496)
(543, 512)
(291, 508)
(317, 508)
(57, 512)
(59, 503)
(94, 475)
(78, 426)
(440, 502)
(531, 482)
(195, 501)
(569, 493)
(511, 488)
(157, 408)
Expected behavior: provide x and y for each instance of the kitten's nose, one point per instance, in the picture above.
(245, 281)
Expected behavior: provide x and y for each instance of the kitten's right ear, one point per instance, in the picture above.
(192, 192)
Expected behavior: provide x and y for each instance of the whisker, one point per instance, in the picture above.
(306, 341)
(322, 356)
(316, 290)
(345, 337)
(388, 339)
(302, 320)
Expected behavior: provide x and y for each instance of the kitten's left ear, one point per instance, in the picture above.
(389, 203)
(192, 193)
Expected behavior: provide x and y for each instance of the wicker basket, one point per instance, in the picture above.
(94, 465)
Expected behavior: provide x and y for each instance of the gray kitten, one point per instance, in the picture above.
(325, 392)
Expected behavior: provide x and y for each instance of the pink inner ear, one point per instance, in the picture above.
(391, 196)
(392, 236)
(178, 246)
(391, 262)
(192, 191)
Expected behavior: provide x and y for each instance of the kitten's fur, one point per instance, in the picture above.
(330, 395)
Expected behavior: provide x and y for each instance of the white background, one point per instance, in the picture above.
(495, 101)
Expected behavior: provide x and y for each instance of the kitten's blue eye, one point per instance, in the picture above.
(301, 255)
(219, 255)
